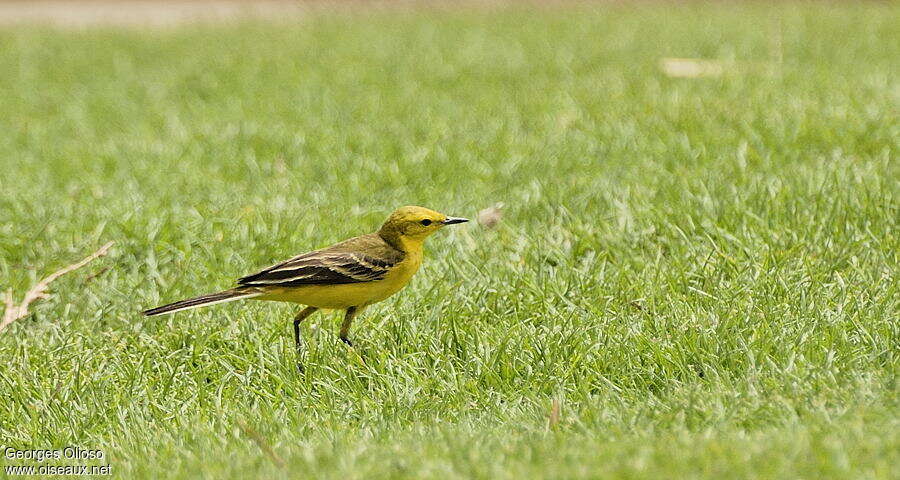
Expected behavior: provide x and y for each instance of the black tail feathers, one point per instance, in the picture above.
(212, 298)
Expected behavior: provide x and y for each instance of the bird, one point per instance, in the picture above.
(350, 275)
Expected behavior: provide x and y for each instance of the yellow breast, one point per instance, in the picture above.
(400, 275)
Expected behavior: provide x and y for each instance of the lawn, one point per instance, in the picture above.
(692, 277)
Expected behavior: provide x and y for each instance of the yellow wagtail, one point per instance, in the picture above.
(349, 275)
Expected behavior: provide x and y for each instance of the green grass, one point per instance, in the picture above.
(702, 272)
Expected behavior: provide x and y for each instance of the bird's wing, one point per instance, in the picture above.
(323, 267)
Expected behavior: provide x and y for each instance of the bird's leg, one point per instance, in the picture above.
(345, 327)
(298, 343)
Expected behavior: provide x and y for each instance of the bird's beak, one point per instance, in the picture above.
(452, 220)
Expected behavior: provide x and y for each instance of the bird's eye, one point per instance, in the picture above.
(426, 222)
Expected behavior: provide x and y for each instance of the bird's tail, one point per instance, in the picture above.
(203, 300)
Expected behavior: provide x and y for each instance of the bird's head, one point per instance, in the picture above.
(414, 224)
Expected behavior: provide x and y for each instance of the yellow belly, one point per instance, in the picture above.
(348, 294)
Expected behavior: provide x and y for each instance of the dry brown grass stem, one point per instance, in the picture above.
(14, 312)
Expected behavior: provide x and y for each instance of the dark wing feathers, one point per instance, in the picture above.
(340, 264)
